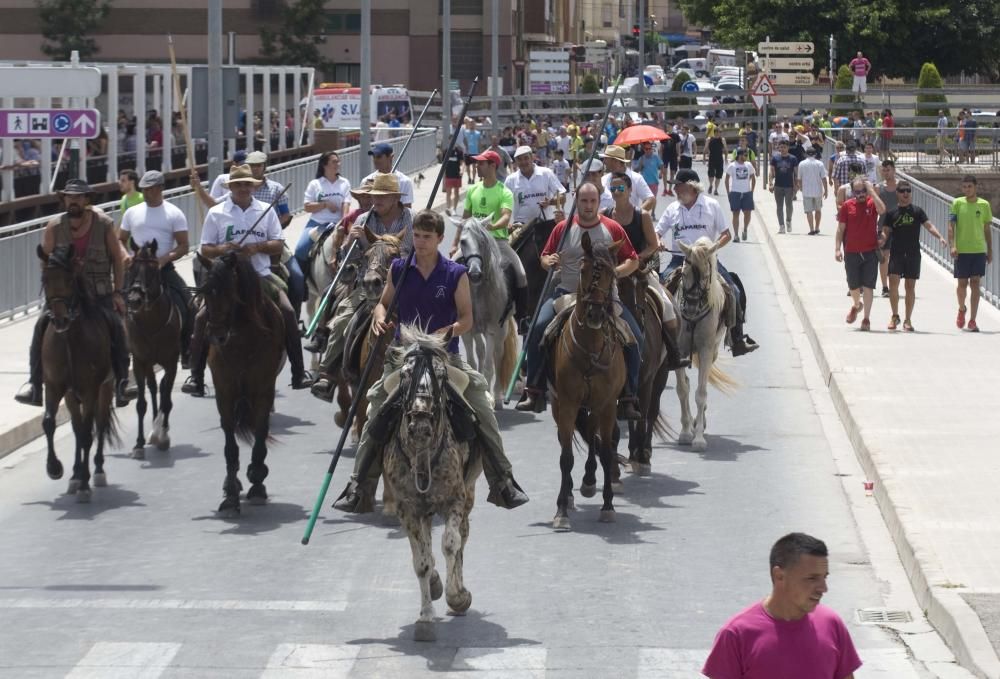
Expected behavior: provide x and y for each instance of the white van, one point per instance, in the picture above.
(717, 57)
(339, 105)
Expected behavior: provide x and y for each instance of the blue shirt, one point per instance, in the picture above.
(471, 141)
(429, 302)
(784, 169)
(649, 167)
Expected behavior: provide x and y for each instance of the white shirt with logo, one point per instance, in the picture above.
(228, 222)
(686, 225)
(160, 223)
(334, 194)
(405, 186)
(740, 176)
(640, 189)
(530, 191)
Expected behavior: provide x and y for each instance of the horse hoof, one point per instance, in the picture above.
(437, 589)
(685, 439)
(83, 496)
(257, 495)
(154, 438)
(54, 469)
(617, 487)
(389, 510)
(571, 503)
(339, 419)
(561, 523)
(699, 446)
(138, 453)
(607, 516)
(230, 508)
(588, 490)
(74, 485)
(460, 603)
(163, 443)
(100, 479)
(423, 630)
(645, 469)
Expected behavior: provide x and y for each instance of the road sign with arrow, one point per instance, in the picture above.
(763, 87)
(55, 123)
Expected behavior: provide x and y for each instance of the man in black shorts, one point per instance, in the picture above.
(857, 222)
(669, 156)
(715, 149)
(685, 149)
(901, 227)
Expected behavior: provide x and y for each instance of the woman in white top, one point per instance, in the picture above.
(327, 199)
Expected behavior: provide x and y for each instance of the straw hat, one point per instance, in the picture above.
(385, 184)
(241, 174)
(364, 190)
(615, 153)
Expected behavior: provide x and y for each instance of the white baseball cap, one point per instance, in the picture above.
(523, 151)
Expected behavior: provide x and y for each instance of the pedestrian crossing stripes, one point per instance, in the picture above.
(178, 604)
(120, 660)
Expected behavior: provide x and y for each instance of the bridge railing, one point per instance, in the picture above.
(20, 290)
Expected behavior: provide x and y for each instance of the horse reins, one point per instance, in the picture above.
(594, 359)
(423, 363)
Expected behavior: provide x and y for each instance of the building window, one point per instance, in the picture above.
(463, 7)
(343, 22)
(606, 15)
(347, 73)
(466, 55)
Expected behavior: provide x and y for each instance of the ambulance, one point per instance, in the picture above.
(339, 105)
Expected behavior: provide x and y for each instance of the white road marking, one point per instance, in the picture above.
(119, 660)
(311, 661)
(178, 604)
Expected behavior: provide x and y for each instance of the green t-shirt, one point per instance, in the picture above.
(486, 203)
(969, 219)
(575, 147)
(128, 201)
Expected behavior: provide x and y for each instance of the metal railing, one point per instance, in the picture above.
(19, 281)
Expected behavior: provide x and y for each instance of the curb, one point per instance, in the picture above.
(953, 619)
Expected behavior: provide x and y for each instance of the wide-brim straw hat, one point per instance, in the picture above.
(385, 184)
(615, 153)
(241, 174)
(364, 190)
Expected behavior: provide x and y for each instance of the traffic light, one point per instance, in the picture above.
(635, 30)
(579, 53)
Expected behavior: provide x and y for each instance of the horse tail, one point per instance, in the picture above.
(243, 420)
(662, 428)
(109, 434)
(718, 377)
(509, 358)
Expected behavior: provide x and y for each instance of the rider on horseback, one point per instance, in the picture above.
(97, 251)
(388, 216)
(435, 294)
(692, 216)
(227, 225)
(534, 189)
(164, 222)
(490, 199)
(568, 261)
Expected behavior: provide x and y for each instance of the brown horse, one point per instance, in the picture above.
(588, 367)
(641, 301)
(154, 332)
(247, 343)
(76, 364)
(528, 243)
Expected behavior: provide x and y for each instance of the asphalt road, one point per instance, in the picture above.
(146, 581)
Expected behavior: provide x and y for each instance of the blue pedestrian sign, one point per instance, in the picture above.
(689, 86)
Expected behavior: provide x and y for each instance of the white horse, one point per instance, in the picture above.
(320, 275)
(491, 347)
(702, 299)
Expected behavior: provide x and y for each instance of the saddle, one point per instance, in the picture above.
(319, 237)
(354, 340)
(564, 307)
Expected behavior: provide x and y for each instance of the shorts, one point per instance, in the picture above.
(685, 162)
(860, 84)
(812, 203)
(970, 265)
(905, 264)
(715, 168)
(740, 201)
(862, 269)
(470, 161)
(671, 163)
(452, 183)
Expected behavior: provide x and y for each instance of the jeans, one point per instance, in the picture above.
(536, 353)
(783, 196)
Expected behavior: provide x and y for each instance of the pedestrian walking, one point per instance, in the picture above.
(669, 155)
(813, 185)
(686, 149)
(971, 247)
(471, 141)
(790, 634)
(560, 167)
(857, 221)
(860, 67)
(715, 153)
(453, 179)
(901, 228)
(888, 125)
(649, 165)
(942, 132)
(784, 179)
(741, 180)
(887, 192)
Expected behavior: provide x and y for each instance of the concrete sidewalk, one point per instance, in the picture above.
(920, 409)
(20, 424)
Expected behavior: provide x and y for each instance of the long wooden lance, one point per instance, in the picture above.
(392, 307)
(328, 293)
(562, 241)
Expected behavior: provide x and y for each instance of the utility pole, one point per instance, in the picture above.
(833, 61)
(642, 56)
(495, 59)
(364, 120)
(215, 140)
(446, 74)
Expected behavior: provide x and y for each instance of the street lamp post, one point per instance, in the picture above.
(642, 56)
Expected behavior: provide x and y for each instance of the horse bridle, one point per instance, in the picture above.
(380, 267)
(696, 296)
(72, 304)
(423, 363)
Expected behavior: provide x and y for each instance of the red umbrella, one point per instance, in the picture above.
(636, 134)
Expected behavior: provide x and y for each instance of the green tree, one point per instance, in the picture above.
(930, 79)
(844, 81)
(677, 100)
(297, 41)
(68, 24)
(589, 85)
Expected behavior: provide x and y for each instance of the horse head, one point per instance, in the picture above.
(63, 286)
(698, 274)
(477, 254)
(378, 260)
(231, 286)
(597, 281)
(144, 283)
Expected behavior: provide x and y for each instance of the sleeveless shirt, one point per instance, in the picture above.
(429, 302)
(96, 260)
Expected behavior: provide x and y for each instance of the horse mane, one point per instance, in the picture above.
(702, 256)
(478, 233)
(62, 258)
(249, 294)
(413, 333)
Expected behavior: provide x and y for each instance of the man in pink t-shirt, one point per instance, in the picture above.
(788, 635)
(860, 67)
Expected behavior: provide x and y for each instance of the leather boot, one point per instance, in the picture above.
(674, 359)
(30, 394)
(357, 498)
(532, 401)
(508, 496)
(628, 408)
(739, 343)
(317, 344)
(323, 388)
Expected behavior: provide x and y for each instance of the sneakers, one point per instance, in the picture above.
(736, 236)
(885, 291)
(960, 320)
(852, 315)
(893, 322)
(29, 395)
(195, 386)
(973, 326)
(788, 228)
(781, 229)
(744, 234)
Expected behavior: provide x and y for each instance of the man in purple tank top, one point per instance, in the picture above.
(436, 295)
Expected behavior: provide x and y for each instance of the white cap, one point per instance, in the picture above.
(257, 158)
(594, 166)
(523, 151)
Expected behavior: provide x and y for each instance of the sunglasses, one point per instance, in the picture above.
(904, 190)
(618, 189)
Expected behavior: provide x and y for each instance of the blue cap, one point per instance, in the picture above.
(239, 157)
(381, 150)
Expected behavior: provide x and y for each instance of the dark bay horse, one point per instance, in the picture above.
(154, 337)
(429, 472)
(588, 366)
(641, 301)
(528, 243)
(246, 349)
(76, 364)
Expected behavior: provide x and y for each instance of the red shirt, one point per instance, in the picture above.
(861, 219)
(887, 124)
(347, 222)
(625, 252)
